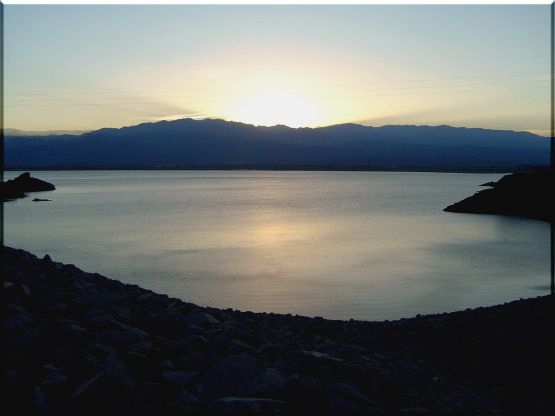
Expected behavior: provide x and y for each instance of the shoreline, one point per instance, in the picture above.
(520, 194)
(105, 346)
(493, 170)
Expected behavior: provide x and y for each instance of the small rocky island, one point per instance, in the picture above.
(21, 185)
(523, 194)
(80, 343)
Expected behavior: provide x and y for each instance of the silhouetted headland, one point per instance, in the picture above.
(80, 343)
(526, 194)
(21, 185)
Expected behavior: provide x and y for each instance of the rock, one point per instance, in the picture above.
(119, 373)
(201, 319)
(518, 194)
(55, 383)
(320, 356)
(199, 341)
(104, 352)
(169, 346)
(351, 351)
(191, 361)
(241, 375)
(166, 365)
(41, 200)
(98, 318)
(19, 186)
(25, 290)
(246, 406)
(415, 410)
(12, 290)
(86, 343)
(332, 398)
(187, 399)
(69, 332)
(134, 360)
(144, 297)
(274, 350)
(149, 390)
(193, 330)
(213, 332)
(111, 383)
(87, 384)
(178, 377)
(18, 320)
(113, 338)
(11, 308)
(239, 346)
(170, 324)
(54, 378)
(129, 330)
(82, 284)
(316, 364)
(143, 347)
(10, 376)
(40, 399)
(50, 309)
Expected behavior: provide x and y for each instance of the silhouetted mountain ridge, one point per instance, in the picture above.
(18, 132)
(209, 142)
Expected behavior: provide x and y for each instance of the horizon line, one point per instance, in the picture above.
(53, 132)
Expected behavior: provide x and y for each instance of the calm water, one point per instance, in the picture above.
(363, 245)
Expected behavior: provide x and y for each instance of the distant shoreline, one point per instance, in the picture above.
(284, 168)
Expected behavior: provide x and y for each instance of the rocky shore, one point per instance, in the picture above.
(80, 343)
(521, 194)
(19, 187)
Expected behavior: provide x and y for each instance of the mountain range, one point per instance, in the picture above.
(17, 132)
(213, 143)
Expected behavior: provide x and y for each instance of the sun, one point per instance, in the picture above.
(271, 107)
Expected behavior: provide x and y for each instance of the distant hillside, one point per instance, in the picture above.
(209, 143)
(17, 132)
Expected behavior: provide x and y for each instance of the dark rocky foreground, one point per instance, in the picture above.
(524, 194)
(80, 343)
(20, 186)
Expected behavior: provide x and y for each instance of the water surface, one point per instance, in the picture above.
(362, 245)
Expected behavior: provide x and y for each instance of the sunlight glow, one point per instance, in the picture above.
(271, 107)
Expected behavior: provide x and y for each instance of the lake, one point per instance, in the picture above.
(361, 245)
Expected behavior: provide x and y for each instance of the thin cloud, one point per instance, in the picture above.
(195, 116)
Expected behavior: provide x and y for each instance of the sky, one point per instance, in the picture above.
(87, 67)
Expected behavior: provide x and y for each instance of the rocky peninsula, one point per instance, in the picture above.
(522, 194)
(80, 343)
(21, 185)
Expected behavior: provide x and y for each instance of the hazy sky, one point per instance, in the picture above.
(86, 67)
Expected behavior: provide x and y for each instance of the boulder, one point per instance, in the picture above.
(326, 397)
(130, 331)
(191, 361)
(187, 399)
(201, 319)
(111, 383)
(246, 406)
(177, 377)
(241, 375)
